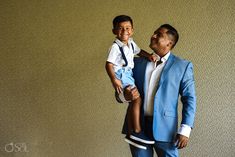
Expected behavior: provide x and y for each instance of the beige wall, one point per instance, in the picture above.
(56, 99)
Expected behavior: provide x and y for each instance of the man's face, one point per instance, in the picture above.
(160, 41)
(123, 31)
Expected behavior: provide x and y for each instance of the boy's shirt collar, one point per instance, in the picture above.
(121, 44)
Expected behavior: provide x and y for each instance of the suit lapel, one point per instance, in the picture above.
(167, 67)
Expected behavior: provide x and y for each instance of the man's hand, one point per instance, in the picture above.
(181, 141)
(131, 94)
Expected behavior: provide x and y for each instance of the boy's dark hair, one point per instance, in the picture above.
(171, 31)
(121, 18)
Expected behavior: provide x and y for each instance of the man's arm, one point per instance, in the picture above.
(188, 96)
(188, 99)
(115, 82)
(145, 54)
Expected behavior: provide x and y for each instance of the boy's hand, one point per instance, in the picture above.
(152, 58)
(117, 84)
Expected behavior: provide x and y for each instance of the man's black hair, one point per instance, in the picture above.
(171, 31)
(121, 18)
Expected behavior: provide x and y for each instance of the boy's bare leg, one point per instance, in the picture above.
(129, 119)
(135, 114)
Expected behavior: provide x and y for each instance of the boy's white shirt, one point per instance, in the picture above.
(115, 55)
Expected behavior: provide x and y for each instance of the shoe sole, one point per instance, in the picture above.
(135, 144)
(141, 140)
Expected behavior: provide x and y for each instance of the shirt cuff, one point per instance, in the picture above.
(184, 130)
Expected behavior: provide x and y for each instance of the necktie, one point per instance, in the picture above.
(159, 62)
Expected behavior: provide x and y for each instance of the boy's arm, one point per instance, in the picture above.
(145, 54)
(115, 82)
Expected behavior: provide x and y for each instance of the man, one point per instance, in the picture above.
(159, 85)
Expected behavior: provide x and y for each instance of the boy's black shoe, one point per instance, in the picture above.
(135, 143)
(141, 137)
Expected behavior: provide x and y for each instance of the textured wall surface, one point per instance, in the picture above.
(56, 99)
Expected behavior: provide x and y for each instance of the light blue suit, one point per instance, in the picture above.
(176, 80)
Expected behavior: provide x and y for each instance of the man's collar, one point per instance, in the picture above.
(165, 58)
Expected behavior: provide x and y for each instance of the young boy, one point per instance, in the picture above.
(119, 67)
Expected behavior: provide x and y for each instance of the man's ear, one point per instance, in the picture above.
(170, 44)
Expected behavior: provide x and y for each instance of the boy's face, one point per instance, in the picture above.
(123, 31)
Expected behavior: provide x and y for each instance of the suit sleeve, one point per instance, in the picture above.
(188, 96)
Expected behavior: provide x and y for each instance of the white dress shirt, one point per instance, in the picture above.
(152, 77)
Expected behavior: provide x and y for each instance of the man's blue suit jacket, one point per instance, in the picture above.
(176, 81)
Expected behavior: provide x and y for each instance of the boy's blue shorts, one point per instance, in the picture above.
(126, 76)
